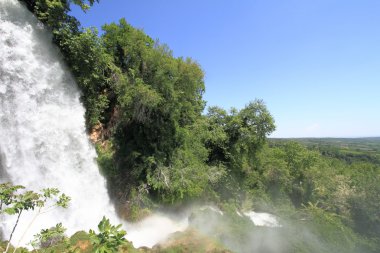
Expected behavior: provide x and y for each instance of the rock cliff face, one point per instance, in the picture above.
(97, 133)
(101, 132)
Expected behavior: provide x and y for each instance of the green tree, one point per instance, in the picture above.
(95, 73)
(239, 135)
(365, 204)
(8, 194)
(29, 200)
(158, 102)
(49, 237)
(54, 12)
(109, 238)
(23, 202)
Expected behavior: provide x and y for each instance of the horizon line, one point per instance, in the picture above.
(326, 137)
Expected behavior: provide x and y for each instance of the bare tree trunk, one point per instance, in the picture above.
(27, 228)
(13, 230)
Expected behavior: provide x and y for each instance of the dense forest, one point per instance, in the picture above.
(158, 145)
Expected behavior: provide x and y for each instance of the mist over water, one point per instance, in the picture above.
(156, 228)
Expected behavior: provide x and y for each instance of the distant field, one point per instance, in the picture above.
(349, 149)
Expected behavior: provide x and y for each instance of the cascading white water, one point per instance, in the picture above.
(43, 142)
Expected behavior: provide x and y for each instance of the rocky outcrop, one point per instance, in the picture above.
(97, 133)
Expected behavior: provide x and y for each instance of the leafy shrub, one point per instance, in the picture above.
(109, 237)
(49, 237)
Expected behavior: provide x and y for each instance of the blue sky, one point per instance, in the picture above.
(316, 64)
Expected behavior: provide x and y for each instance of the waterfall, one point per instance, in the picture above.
(43, 142)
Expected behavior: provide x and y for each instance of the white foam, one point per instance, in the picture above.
(155, 228)
(263, 219)
(212, 208)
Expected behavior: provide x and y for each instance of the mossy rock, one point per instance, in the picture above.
(189, 241)
(80, 241)
(79, 236)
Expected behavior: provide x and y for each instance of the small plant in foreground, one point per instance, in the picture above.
(49, 237)
(109, 238)
(14, 203)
